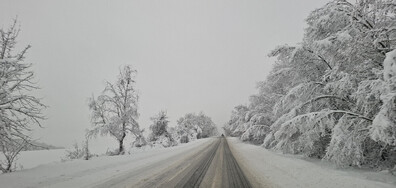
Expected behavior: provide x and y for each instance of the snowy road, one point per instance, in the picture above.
(210, 166)
(105, 171)
(204, 163)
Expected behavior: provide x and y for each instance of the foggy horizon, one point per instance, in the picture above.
(198, 93)
(190, 56)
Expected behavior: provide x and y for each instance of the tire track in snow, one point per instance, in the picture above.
(214, 166)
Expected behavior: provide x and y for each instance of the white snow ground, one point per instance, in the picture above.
(270, 168)
(31, 159)
(279, 170)
(81, 173)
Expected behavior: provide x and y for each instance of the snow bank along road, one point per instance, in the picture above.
(202, 163)
(211, 162)
(272, 169)
(210, 166)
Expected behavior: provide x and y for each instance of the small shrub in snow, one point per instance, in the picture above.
(78, 152)
(112, 152)
(140, 141)
(164, 141)
(10, 151)
(75, 153)
(159, 131)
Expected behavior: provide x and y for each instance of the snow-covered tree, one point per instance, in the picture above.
(237, 119)
(115, 111)
(19, 109)
(160, 124)
(159, 130)
(347, 93)
(193, 126)
(332, 95)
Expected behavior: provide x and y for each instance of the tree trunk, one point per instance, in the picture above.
(121, 150)
(121, 147)
(86, 148)
(7, 168)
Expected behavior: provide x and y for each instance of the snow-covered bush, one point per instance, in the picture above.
(140, 141)
(159, 131)
(159, 126)
(78, 152)
(10, 151)
(164, 140)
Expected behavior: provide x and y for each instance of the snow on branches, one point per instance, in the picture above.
(192, 126)
(384, 124)
(19, 109)
(332, 96)
(114, 112)
(159, 131)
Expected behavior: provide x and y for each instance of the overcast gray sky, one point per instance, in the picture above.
(191, 55)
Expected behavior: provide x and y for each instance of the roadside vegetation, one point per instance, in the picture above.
(114, 112)
(333, 95)
(20, 110)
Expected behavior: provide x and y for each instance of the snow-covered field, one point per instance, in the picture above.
(279, 170)
(81, 173)
(31, 159)
(268, 168)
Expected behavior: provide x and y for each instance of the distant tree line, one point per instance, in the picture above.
(114, 112)
(189, 128)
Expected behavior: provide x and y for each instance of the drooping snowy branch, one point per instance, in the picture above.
(332, 96)
(384, 124)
